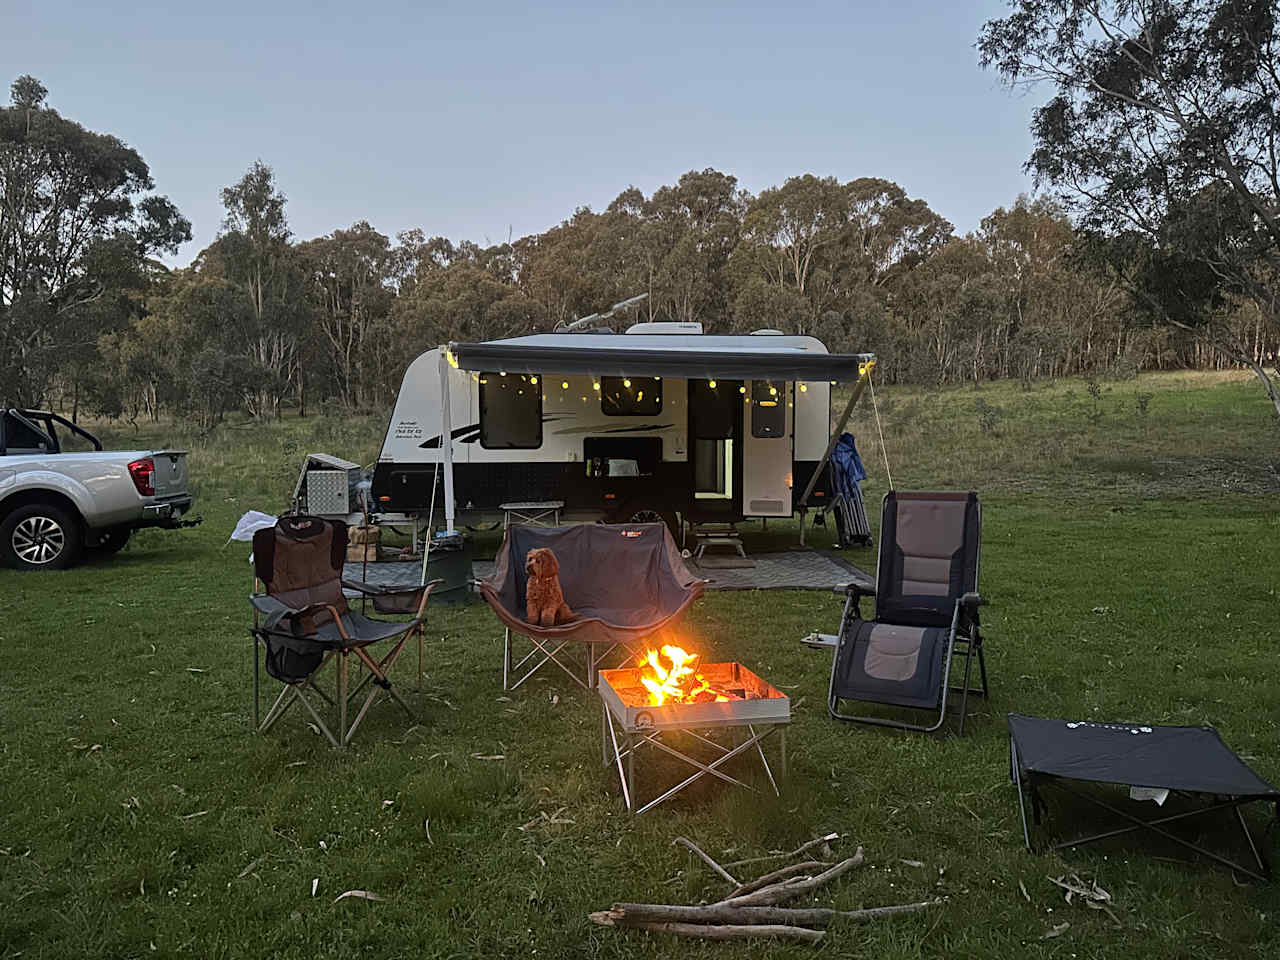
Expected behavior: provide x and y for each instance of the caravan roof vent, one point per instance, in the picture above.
(767, 332)
(667, 328)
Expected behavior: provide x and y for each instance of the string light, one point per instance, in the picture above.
(533, 379)
(626, 383)
(595, 386)
(564, 384)
(804, 388)
(742, 389)
(773, 391)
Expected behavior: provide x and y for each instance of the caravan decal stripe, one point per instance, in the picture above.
(640, 428)
(467, 434)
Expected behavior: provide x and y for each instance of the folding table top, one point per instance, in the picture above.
(1193, 759)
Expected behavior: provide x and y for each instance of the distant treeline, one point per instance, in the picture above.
(262, 323)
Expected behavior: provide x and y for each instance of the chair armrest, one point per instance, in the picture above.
(857, 588)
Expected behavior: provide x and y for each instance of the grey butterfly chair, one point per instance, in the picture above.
(926, 613)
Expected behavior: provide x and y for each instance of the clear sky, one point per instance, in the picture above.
(476, 120)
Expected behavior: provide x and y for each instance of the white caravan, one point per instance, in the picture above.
(662, 422)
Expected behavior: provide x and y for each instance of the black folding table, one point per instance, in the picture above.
(1190, 760)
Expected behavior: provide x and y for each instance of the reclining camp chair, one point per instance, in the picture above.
(926, 611)
(623, 583)
(304, 623)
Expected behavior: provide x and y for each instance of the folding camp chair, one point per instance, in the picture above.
(926, 611)
(303, 622)
(623, 583)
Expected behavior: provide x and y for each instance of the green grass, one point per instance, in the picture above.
(1129, 558)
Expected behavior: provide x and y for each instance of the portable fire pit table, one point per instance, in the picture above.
(630, 721)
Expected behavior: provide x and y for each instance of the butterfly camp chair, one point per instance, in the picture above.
(304, 623)
(926, 612)
(622, 582)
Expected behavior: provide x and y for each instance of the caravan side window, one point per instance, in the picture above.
(768, 408)
(510, 411)
(630, 396)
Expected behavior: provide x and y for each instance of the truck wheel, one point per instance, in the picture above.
(41, 536)
(111, 540)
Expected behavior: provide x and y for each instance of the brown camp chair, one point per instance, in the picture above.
(926, 611)
(303, 622)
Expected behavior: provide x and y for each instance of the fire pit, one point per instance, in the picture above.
(669, 694)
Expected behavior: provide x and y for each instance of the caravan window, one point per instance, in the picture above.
(630, 396)
(768, 408)
(510, 411)
(715, 405)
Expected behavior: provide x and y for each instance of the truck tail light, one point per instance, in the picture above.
(142, 471)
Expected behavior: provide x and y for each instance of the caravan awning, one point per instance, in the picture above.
(764, 363)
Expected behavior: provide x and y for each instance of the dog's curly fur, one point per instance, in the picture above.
(544, 600)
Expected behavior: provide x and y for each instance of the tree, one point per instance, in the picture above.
(253, 252)
(350, 273)
(77, 228)
(1161, 133)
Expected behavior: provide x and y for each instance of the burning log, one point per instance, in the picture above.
(634, 914)
(718, 931)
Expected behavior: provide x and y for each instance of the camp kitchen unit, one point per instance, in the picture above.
(662, 422)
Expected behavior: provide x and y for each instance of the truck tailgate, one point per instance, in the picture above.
(170, 477)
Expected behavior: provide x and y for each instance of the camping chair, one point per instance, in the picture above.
(926, 611)
(306, 623)
(623, 583)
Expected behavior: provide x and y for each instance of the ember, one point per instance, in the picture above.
(678, 681)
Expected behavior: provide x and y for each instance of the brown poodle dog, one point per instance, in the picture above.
(544, 603)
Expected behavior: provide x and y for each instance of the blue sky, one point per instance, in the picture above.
(475, 120)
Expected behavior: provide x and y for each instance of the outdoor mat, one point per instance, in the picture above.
(722, 561)
(805, 569)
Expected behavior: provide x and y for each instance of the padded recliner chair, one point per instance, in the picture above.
(304, 623)
(926, 612)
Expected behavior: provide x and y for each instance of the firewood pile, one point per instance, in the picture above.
(754, 908)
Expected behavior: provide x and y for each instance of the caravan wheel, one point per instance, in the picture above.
(644, 512)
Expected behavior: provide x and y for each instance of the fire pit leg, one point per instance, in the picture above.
(622, 774)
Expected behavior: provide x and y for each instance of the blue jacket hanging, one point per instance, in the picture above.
(846, 466)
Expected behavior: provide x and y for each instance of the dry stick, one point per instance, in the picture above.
(803, 848)
(719, 932)
(789, 889)
(771, 878)
(631, 914)
(686, 842)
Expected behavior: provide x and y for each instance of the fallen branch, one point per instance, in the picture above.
(693, 847)
(771, 878)
(714, 932)
(633, 914)
(803, 848)
(789, 889)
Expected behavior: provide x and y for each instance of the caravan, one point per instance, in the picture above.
(662, 422)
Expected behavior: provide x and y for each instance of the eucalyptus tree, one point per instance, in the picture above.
(1161, 133)
(78, 226)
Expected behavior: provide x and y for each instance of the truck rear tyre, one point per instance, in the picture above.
(111, 540)
(41, 536)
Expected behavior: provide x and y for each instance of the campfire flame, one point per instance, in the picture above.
(679, 681)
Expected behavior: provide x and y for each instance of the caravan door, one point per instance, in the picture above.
(767, 449)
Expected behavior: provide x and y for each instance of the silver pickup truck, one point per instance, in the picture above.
(55, 504)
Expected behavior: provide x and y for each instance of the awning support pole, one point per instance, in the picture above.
(446, 440)
(860, 386)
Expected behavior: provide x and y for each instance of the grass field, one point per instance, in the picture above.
(1129, 555)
